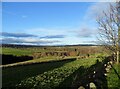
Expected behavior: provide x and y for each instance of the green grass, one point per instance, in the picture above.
(40, 75)
(16, 52)
(112, 78)
(48, 75)
(13, 75)
(53, 78)
(23, 51)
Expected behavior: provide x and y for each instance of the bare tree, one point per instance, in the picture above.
(109, 28)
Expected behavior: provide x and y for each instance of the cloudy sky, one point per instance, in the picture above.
(50, 23)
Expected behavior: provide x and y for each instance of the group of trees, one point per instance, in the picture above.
(109, 29)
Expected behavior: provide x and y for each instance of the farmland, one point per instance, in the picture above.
(112, 76)
(54, 67)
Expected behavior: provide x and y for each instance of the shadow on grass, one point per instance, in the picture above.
(13, 75)
(8, 59)
(116, 72)
(83, 77)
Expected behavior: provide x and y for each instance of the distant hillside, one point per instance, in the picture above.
(15, 45)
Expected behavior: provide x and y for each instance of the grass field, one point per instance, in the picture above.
(47, 72)
(112, 78)
(21, 51)
(31, 50)
(16, 52)
(53, 72)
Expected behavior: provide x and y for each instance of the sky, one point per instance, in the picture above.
(50, 23)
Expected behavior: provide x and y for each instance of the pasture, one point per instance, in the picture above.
(47, 71)
(113, 77)
(53, 67)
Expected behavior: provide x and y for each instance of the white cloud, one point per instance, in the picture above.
(86, 32)
(97, 9)
(69, 33)
(89, 26)
(48, 31)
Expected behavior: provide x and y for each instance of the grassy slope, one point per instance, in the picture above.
(112, 78)
(12, 75)
(42, 75)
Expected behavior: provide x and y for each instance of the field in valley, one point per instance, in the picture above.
(55, 67)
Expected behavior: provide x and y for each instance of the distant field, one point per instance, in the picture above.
(15, 51)
(22, 51)
(20, 54)
(28, 51)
